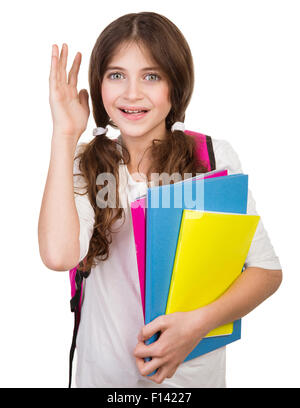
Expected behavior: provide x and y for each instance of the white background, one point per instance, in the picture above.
(247, 91)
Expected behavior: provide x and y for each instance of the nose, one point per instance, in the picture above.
(133, 90)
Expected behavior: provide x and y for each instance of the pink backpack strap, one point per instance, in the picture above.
(205, 151)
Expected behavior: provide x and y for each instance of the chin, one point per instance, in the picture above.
(134, 132)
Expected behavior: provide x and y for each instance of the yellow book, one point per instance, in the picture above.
(212, 248)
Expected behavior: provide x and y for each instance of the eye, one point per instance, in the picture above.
(114, 75)
(153, 75)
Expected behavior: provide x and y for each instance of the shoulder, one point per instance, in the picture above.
(226, 156)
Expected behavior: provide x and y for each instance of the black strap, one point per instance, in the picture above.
(211, 154)
(75, 308)
(73, 345)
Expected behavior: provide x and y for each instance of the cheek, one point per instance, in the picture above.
(106, 94)
(109, 94)
(163, 99)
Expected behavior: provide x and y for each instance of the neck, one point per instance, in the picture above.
(137, 146)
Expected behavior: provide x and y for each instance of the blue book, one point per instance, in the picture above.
(165, 205)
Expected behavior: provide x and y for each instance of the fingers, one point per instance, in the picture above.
(57, 63)
(166, 371)
(157, 325)
(143, 351)
(58, 71)
(63, 63)
(162, 371)
(159, 376)
(54, 63)
(73, 74)
(146, 368)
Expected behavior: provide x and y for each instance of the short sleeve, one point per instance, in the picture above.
(261, 253)
(84, 208)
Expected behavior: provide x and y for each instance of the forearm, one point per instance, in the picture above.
(252, 287)
(58, 228)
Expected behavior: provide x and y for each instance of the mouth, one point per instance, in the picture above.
(134, 113)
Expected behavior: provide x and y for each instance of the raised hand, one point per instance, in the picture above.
(69, 109)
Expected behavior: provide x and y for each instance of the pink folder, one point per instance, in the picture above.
(138, 212)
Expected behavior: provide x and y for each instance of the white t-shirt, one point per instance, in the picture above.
(112, 315)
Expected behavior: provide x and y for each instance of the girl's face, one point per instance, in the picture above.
(134, 82)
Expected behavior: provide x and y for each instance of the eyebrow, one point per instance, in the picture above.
(123, 69)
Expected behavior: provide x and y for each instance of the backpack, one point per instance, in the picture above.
(205, 153)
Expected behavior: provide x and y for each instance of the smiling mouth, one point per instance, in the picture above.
(132, 112)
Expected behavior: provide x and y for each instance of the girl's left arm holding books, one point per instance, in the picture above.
(182, 331)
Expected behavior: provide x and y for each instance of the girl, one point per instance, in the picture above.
(141, 80)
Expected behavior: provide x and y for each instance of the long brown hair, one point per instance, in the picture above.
(175, 153)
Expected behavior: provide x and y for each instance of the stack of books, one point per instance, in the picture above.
(192, 239)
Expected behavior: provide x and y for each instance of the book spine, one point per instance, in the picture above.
(176, 260)
(148, 295)
(148, 260)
